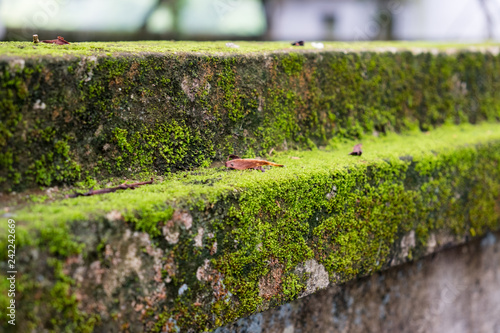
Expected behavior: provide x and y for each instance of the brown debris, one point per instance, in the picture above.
(218, 287)
(356, 150)
(59, 41)
(110, 190)
(271, 284)
(247, 163)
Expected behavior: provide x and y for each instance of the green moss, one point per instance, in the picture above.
(292, 287)
(150, 218)
(54, 306)
(160, 147)
(293, 64)
(58, 301)
(217, 47)
(158, 107)
(187, 183)
(55, 167)
(63, 306)
(347, 213)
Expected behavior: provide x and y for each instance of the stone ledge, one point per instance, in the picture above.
(207, 247)
(456, 290)
(90, 111)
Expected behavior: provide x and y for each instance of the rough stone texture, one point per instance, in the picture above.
(132, 260)
(455, 290)
(317, 277)
(202, 248)
(86, 111)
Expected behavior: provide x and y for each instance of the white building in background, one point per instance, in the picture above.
(462, 20)
(447, 19)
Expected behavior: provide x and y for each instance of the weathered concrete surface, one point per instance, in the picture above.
(202, 248)
(206, 248)
(98, 110)
(455, 290)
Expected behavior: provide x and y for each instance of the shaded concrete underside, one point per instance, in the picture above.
(456, 290)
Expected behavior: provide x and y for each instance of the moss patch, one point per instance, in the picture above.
(217, 47)
(79, 113)
(206, 247)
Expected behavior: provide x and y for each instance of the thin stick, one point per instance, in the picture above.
(110, 190)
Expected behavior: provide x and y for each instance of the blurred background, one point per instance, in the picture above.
(93, 20)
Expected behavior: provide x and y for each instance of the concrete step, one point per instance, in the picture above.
(203, 248)
(454, 290)
(95, 111)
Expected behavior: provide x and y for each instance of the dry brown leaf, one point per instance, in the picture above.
(247, 163)
(59, 41)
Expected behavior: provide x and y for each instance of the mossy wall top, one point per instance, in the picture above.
(122, 109)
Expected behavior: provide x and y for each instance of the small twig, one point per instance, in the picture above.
(110, 190)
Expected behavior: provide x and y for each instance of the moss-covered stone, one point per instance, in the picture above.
(205, 247)
(90, 111)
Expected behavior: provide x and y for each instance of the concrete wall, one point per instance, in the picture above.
(456, 290)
